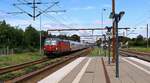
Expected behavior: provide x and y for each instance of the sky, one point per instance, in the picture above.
(81, 14)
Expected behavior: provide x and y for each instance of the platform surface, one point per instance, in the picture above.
(132, 70)
(91, 70)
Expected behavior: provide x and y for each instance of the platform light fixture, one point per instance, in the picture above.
(116, 18)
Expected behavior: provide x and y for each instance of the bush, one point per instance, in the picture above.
(23, 50)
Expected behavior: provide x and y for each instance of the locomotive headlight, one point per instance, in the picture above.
(56, 48)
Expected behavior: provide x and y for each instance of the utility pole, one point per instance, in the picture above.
(113, 33)
(34, 9)
(40, 34)
(147, 36)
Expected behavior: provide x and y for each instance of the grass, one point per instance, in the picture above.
(11, 75)
(14, 74)
(140, 49)
(18, 59)
(98, 52)
(27, 70)
(95, 52)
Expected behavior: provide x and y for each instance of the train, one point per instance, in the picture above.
(55, 46)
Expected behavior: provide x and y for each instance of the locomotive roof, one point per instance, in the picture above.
(58, 39)
(53, 39)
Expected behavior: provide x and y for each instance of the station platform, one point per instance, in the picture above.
(97, 70)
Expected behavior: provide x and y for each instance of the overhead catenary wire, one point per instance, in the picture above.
(45, 14)
(68, 18)
(44, 11)
(33, 15)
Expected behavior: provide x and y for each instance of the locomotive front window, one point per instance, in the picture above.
(53, 42)
(47, 42)
(50, 42)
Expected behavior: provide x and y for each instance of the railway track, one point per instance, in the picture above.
(21, 66)
(34, 76)
(140, 55)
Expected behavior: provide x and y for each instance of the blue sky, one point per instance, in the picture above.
(82, 14)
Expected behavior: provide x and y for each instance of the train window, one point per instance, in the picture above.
(50, 42)
(47, 42)
(53, 42)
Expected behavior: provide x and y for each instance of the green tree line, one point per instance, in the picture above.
(139, 41)
(14, 37)
(25, 40)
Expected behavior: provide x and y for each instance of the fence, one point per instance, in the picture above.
(6, 51)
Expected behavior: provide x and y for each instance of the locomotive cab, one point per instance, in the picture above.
(50, 46)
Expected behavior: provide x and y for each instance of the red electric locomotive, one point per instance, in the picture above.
(58, 46)
(55, 46)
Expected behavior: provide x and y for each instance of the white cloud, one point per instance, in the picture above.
(60, 26)
(84, 8)
(22, 23)
(106, 22)
(15, 22)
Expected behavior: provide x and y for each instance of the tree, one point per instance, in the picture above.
(75, 38)
(11, 37)
(123, 39)
(44, 35)
(31, 37)
(62, 37)
(99, 42)
(139, 41)
(139, 38)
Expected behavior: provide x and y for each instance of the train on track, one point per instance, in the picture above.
(54, 46)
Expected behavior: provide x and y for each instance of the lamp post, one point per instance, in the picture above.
(117, 18)
(102, 12)
(109, 42)
(103, 9)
